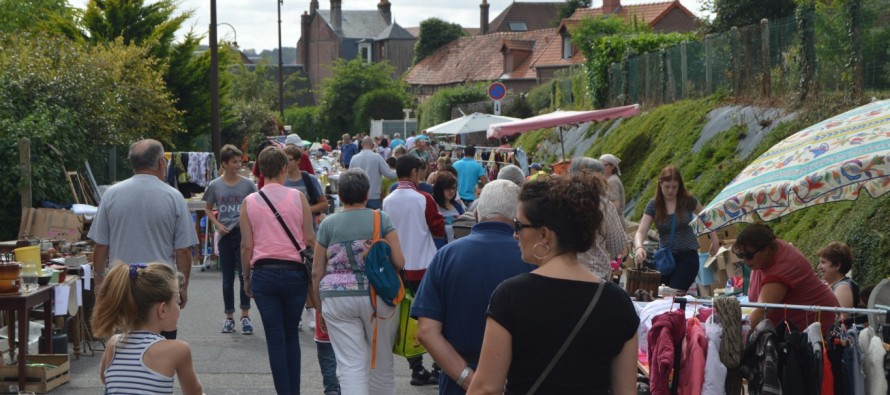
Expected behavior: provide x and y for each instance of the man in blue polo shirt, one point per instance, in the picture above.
(469, 173)
(453, 296)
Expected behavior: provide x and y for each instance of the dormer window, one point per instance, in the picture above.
(518, 27)
(364, 52)
(566, 47)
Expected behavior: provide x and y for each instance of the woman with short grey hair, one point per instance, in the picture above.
(512, 173)
(610, 241)
(338, 280)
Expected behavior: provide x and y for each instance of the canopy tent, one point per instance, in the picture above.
(560, 118)
(475, 122)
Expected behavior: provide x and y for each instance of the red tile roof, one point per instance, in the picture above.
(649, 13)
(536, 16)
(477, 58)
(551, 55)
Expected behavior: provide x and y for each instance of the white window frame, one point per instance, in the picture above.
(369, 48)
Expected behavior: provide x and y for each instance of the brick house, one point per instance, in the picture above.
(328, 35)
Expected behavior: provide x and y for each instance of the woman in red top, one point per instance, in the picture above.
(781, 274)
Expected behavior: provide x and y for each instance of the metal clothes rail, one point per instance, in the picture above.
(880, 309)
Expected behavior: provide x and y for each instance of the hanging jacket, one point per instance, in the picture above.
(796, 362)
(856, 362)
(692, 366)
(715, 370)
(874, 351)
(835, 347)
(822, 365)
(760, 361)
(666, 333)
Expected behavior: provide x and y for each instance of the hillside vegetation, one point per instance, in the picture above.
(666, 134)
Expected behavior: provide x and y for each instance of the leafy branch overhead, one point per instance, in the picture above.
(434, 33)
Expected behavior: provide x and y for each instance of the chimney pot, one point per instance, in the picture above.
(483, 17)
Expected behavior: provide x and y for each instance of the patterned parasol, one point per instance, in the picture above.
(833, 160)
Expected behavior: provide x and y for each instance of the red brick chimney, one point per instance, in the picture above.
(609, 6)
(337, 15)
(305, 31)
(313, 6)
(483, 17)
(385, 9)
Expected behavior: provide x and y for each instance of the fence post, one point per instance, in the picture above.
(805, 29)
(854, 30)
(667, 88)
(709, 60)
(766, 80)
(646, 76)
(735, 78)
(625, 77)
(684, 71)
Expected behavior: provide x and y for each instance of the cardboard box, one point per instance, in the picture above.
(55, 224)
(726, 236)
(40, 379)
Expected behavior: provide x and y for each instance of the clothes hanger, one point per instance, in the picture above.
(785, 320)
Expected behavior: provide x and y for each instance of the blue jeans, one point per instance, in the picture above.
(375, 204)
(280, 296)
(230, 263)
(328, 364)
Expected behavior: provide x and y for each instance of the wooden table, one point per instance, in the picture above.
(21, 304)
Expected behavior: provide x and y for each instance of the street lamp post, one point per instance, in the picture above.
(280, 67)
(214, 84)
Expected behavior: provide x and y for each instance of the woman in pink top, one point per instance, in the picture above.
(781, 274)
(274, 273)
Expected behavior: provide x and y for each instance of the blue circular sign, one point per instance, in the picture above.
(497, 91)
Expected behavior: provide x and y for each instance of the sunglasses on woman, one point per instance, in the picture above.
(519, 226)
(746, 255)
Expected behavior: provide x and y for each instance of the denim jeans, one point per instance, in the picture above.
(280, 296)
(375, 204)
(328, 364)
(230, 263)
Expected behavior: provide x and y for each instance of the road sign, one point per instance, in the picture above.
(497, 91)
(497, 107)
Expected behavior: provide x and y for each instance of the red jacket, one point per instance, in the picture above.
(667, 331)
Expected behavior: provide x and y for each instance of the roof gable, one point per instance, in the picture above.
(479, 58)
(394, 32)
(649, 13)
(357, 24)
(535, 16)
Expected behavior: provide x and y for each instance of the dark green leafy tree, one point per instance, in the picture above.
(350, 80)
(153, 25)
(435, 33)
(437, 108)
(384, 103)
(740, 13)
(47, 16)
(306, 122)
(566, 10)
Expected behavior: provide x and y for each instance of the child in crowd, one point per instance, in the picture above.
(226, 193)
(135, 304)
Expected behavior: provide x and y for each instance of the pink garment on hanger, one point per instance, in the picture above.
(692, 366)
(667, 331)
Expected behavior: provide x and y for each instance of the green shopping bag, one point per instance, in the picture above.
(406, 343)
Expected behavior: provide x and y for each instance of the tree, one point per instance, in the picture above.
(77, 99)
(152, 25)
(350, 80)
(740, 13)
(47, 16)
(386, 103)
(568, 9)
(435, 33)
(437, 108)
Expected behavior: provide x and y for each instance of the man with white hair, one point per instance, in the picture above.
(396, 141)
(376, 168)
(512, 173)
(453, 297)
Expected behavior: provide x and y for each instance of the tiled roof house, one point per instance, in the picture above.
(328, 35)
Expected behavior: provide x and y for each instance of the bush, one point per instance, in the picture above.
(384, 103)
(437, 108)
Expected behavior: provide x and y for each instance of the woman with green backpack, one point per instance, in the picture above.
(363, 347)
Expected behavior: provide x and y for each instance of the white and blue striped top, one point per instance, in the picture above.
(127, 373)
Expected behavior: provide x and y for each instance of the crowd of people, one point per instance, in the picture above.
(541, 248)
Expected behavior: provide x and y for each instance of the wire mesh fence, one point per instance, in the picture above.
(842, 48)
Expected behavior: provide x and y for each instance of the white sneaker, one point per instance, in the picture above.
(311, 318)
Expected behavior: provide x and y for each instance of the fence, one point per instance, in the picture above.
(841, 49)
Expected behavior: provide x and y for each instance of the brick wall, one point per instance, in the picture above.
(675, 21)
(324, 49)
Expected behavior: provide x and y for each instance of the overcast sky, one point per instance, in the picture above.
(256, 20)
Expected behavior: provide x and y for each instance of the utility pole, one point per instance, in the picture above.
(214, 84)
(280, 67)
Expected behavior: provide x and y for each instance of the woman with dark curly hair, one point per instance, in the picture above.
(557, 219)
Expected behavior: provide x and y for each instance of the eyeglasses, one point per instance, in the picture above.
(746, 255)
(519, 226)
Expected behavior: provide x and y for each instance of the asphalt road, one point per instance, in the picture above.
(230, 363)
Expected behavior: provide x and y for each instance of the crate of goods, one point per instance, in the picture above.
(43, 372)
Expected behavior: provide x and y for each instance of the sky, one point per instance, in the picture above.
(254, 22)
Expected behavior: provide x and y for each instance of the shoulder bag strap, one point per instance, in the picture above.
(281, 221)
(568, 341)
(376, 226)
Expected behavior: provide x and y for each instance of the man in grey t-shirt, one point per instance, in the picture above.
(376, 168)
(142, 219)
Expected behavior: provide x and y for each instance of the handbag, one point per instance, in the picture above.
(406, 343)
(306, 254)
(565, 345)
(664, 258)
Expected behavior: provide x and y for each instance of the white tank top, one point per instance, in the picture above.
(127, 373)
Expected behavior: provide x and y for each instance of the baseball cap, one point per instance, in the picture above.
(536, 166)
(293, 139)
(612, 160)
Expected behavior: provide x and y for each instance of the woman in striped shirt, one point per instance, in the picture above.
(136, 303)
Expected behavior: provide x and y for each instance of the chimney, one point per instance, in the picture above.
(313, 6)
(610, 6)
(337, 15)
(384, 7)
(304, 38)
(483, 17)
